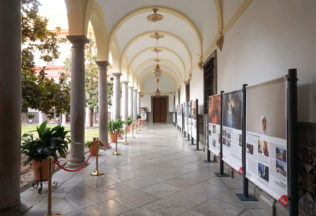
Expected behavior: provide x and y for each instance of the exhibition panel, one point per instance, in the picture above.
(214, 127)
(266, 153)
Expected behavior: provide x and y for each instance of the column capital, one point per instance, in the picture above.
(135, 90)
(131, 87)
(116, 74)
(78, 41)
(124, 82)
(102, 63)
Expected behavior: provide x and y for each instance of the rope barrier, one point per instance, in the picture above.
(82, 165)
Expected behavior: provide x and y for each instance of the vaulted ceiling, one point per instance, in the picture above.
(190, 30)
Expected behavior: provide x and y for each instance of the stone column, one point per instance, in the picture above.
(130, 101)
(103, 101)
(124, 100)
(40, 117)
(63, 119)
(116, 108)
(10, 109)
(138, 103)
(135, 104)
(77, 100)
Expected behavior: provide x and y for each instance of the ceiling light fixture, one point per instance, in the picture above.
(156, 71)
(155, 17)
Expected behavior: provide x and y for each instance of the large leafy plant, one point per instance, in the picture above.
(116, 126)
(129, 121)
(50, 141)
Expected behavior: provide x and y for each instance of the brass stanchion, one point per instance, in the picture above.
(125, 139)
(97, 172)
(116, 151)
(133, 136)
(49, 199)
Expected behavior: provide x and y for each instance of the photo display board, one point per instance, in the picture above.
(232, 129)
(186, 115)
(194, 119)
(214, 127)
(189, 118)
(266, 153)
(179, 116)
(143, 114)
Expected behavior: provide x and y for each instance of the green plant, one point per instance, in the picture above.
(89, 143)
(50, 141)
(129, 121)
(116, 126)
(29, 115)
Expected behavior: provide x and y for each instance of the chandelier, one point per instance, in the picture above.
(155, 17)
(156, 71)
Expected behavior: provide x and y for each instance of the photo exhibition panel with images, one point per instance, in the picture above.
(194, 119)
(179, 116)
(189, 118)
(214, 127)
(186, 117)
(232, 129)
(266, 153)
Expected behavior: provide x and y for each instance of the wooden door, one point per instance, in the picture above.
(160, 108)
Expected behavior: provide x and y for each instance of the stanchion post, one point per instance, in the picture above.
(133, 136)
(125, 138)
(197, 127)
(49, 199)
(292, 141)
(97, 172)
(245, 195)
(117, 153)
(221, 162)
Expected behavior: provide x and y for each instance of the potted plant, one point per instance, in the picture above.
(30, 117)
(113, 131)
(120, 125)
(138, 119)
(50, 142)
(89, 145)
(128, 123)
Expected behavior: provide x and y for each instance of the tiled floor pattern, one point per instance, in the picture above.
(158, 173)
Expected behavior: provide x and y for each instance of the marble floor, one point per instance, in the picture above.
(158, 173)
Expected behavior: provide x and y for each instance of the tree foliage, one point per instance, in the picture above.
(38, 91)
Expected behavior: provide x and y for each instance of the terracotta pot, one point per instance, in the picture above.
(40, 169)
(128, 128)
(113, 137)
(95, 152)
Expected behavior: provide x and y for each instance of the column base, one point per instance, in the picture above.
(17, 210)
(73, 163)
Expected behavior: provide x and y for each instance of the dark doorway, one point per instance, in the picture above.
(159, 108)
(210, 78)
(187, 91)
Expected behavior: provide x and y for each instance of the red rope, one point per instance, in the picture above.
(82, 165)
(101, 143)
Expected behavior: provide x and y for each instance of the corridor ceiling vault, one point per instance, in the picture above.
(122, 31)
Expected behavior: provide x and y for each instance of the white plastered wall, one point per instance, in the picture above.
(166, 87)
(268, 39)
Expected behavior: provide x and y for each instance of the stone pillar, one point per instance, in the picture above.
(138, 103)
(103, 101)
(124, 100)
(116, 108)
(40, 117)
(135, 104)
(10, 109)
(130, 101)
(77, 100)
(64, 119)
(87, 117)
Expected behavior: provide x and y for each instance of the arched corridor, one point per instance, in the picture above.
(205, 60)
(158, 173)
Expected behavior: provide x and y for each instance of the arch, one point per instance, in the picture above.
(146, 75)
(145, 71)
(163, 32)
(177, 71)
(163, 48)
(99, 27)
